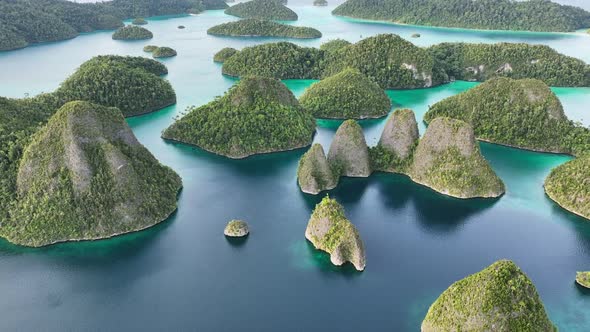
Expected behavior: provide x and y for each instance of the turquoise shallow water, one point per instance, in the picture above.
(184, 275)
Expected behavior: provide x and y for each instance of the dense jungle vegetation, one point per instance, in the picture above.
(533, 15)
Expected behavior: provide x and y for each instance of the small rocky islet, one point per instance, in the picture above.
(329, 230)
(236, 228)
(583, 279)
(447, 159)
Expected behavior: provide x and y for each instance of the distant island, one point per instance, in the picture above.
(106, 182)
(346, 95)
(329, 230)
(265, 117)
(26, 22)
(98, 78)
(139, 21)
(446, 159)
(395, 63)
(263, 9)
(164, 52)
(499, 298)
(320, 3)
(132, 32)
(482, 14)
(520, 113)
(224, 54)
(263, 28)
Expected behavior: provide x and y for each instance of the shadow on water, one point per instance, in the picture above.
(257, 165)
(582, 290)
(322, 261)
(118, 248)
(436, 212)
(237, 242)
(348, 192)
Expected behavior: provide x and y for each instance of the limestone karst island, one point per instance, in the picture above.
(295, 165)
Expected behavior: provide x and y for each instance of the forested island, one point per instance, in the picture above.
(21, 119)
(263, 28)
(139, 21)
(132, 32)
(257, 115)
(132, 84)
(164, 52)
(395, 63)
(320, 3)
(346, 95)
(329, 230)
(499, 298)
(24, 22)
(482, 14)
(224, 54)
(521, 113)
(263, 9)
(446, 159)
(569, 185)
(103, 181)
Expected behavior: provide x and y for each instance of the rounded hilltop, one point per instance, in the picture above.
(164, 52)
(499, 298)
(520, 113)
(236, 228)
(329, 230)
(136, 81)
(346, 95)
(262, 9)
(569, 186)
(224, 54)
(132, 32)
(103, 181)
(263, 28)
(266, 118)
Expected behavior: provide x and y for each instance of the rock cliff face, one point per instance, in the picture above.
(314, 173)
(85, 176)
(448, 160)
(499, 298)
(349, 154)
(330, 231)
(400, 134)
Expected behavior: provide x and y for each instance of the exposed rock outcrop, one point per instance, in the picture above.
(400, 134)
(330, 231)
(314, 173)
(349, 154)
(85, 176)
(449, 161)
(499, 298)
(236, 228)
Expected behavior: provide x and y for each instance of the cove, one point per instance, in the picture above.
(184, 275)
